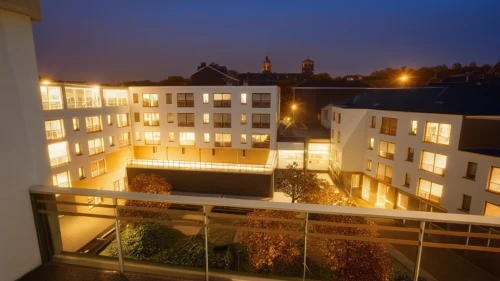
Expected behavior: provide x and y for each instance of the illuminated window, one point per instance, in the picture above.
(222, 120)
(261, 120)
(93, 124)
(222, 100)
(96, 146)
(149, 100)
(243, 119)
(171, 136)
(243, 98)
(384, 173)
(170, 117)
(122, 120)
(111, 141)
(429, 190)
(169, 98)
(54, 129)
(355, 180)
(494, 181)
(82, 97)
(261, 100)
(413, 130)
(222, 140)
(137, 136)
(185, 119)
(185, 100)
(433, 162)
(115, 97)
(62, 179)
(205, 98)
(402, 202)
(76, 124)
(374, 122)
(491, 209)
(206, 118)
(81, 172)
(466, 202)
(386, 150)
(437, 133)
(186, 138)
(51, 98)
(152, 138)
(261, 140)
(151, 119)
(471, 170)
(243, 138)
(58, 153)
(124, 139)
(206, 137)
(368, 165)
(389, 126)
(98, 167)
(78, 148)
(371, 143)
(110, 121)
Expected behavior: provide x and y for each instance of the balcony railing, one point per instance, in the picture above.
(52, 105)
(432, 168)
(96, 150)
(94, 128)
(57, 161)
(125, 142)
(54, 134)
(196, 235)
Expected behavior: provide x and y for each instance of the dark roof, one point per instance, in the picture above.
(485, 151)
(333, 84)
(210, 76)
(307, 60)
(455, 99)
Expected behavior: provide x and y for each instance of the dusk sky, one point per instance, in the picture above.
(111, 41)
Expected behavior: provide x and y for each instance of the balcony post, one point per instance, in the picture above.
(205, 219)
(419, 251)
(468, 237)
(305, 245)
(118, 237)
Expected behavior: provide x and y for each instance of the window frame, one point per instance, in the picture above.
(222, 100)
(185, 99)
(259, 102)
(386, 126)
(149, 101)
(223, 123)
(261, 124)
(183, 120)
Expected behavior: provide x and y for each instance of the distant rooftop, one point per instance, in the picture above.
(333, 84)
(297, 132)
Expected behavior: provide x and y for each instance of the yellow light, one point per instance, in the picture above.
(404, 78)
(293, 107)
(96, 87)
(45, 82)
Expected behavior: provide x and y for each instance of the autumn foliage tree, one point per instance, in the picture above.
(147, 184)
(297, 183)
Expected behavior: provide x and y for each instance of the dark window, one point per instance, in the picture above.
(222, 120)
(466, 201)
(338, 120)
(389, 126)
(411, 153)
(185, 100)
(471, 170)
(261, 120)
(185, 119)
(169, 98)
(260, 100)
(135, 97)
(374, 121)
(407, 180)
(222, 100)
(137, 117)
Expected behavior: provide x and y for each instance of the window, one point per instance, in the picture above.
(83, 97)
(122, 120)
(76, 124)
(386, 150)
(124, 139)
(437, 133)
(149, 100)
(433, 162)
(62, 179)
(368, 165)
(355, 180)
(186, 138)
(98, 167)
(58, 153)
(206, 118)
(205, 98)
(413, 130)
(261, 140)
(152, 138)
(110, 121)
(407, 180)
(243, 138)
(81, 172)
(206, 137)
(222, 120)
(338, 119)
(332, 135)
(54, 129)
(137, 136)
(115, 97)
(491, 209)
(78, 149)
(171, 136)
(261, 120)
(384, 173)
(333, 116)
(402, 202)
(371, 143)
(471, 170)
(111, 141)
(429, 190)
(243, 119)
(96, 146)
(51, 98)
(338, 136)
(170, 117)
(185, 119)
(222, 100)
(137, 117)
(389, 126)
(244, 153)
(135, 97)
(185, 100)
(155, 149)
(168, 98)
(183, 150)
(494, 181)
(151, 119)
(243, 98)
(466, 201)
(93, 124)
(222, 140)
(260, 100)
(374, 122)
(411, 154)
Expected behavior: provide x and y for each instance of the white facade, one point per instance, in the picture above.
(361, 142)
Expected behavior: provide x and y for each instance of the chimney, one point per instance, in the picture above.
(202, 65)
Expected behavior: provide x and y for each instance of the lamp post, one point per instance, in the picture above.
(293, 112)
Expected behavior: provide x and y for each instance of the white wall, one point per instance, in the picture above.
(23, 147)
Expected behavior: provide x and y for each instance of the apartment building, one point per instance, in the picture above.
(432, 149)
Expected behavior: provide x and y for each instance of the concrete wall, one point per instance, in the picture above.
(23, 147)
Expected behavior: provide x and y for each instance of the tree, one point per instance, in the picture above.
(296, 183)
(321, 77)
(174, 81)
(456, 66)
(151, 183)
(473, 65)
(497, 67)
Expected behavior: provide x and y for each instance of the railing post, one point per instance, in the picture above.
(468, 237)
(305, 246)
(489, 239)
(419, 250)
(118, 237)
(205, 219)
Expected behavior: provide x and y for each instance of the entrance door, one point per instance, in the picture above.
(381, 194)
(366, 188)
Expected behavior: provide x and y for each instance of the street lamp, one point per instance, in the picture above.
(403, 79)
(293, 112)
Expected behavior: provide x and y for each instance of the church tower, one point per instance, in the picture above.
(308, 67)
(266, 65)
